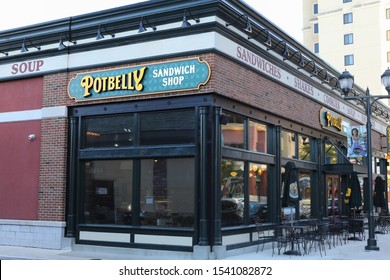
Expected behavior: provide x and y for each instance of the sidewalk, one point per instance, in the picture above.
(353, 250)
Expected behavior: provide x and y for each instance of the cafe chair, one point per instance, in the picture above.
(261, 235)
(280, 240)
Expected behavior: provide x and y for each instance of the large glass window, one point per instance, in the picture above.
(330, 154)
(258, 193)
(108, 131)
(303, 147)
(167, 192)
(305, 202)
(108, 191)
(288, 144)
(232, 189)
(233, 131)
(167, 127)
(257, 137)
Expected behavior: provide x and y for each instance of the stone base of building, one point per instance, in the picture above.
(36, 234)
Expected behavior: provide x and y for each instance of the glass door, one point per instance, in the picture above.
(333, 193)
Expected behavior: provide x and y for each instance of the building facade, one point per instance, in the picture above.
(352, 35)
(171, 139)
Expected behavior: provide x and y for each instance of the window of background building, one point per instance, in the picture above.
(348, 39)
(347, 1)
(347, 18)
(349, 59)
(388, 56)
(167, 192)
(315, 8)
(315, 28)
(316, 48)
(388, 35)
(387, 13)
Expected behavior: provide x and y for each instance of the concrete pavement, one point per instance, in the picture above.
(353, 250)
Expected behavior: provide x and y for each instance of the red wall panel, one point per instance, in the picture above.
(19, 170)
(21, 95)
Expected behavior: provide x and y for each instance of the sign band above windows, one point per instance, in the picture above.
(172, 76)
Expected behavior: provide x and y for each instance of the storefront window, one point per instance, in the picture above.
(109, 131)
(232, 189)
(330, 154)
(303, 147)
(167, 192)
(305, 202)
(108, 191)
(233, 131)
(288, 144)
(257, 137)
(258, 193)
(168, 127)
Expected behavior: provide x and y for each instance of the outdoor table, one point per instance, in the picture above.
(293, 232)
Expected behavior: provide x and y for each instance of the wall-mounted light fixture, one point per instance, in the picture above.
(24, 46)
(267, 41)
(185, 22)
(142, 27)
(99, 34)
(247, 27)
(31, 137)
(5, 53)
(61, 44)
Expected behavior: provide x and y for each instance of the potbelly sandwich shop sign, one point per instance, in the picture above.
(172, 76)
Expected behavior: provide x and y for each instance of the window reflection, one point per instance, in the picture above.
(232, 190)
(108, 191)
(288, 144)
(305, 188)
(167, 192)
(257, 137)
(258, 193)
(233, 131)
(109, 131)
(304, 147)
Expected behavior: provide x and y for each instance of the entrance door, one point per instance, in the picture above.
(333, 191)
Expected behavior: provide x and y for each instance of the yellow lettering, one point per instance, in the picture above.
(97, 85)
(138, 76)
(334, 121)
(104, 82)
(87, 83)
(123, 79)
(111, 83)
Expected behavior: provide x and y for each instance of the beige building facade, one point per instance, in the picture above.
(352, 35)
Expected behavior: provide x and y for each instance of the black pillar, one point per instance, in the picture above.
(203, 238)
(217, 176)
(71, 192)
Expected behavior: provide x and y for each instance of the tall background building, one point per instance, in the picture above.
(352, 35)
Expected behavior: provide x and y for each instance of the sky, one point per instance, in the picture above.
(18, 13)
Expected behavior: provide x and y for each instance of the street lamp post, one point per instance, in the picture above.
(346, 82)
